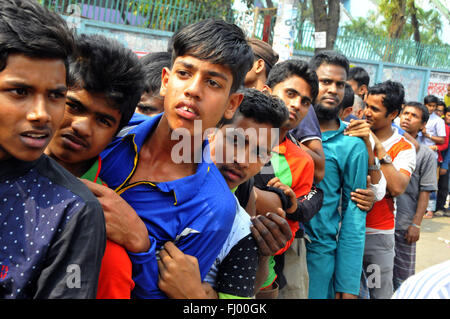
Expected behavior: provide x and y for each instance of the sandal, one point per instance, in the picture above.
(428, 215)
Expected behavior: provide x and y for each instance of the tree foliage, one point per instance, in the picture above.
(401, 19)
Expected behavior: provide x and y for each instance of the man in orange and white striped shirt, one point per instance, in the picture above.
(397, 159)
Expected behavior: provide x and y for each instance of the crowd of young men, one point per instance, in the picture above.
(212, 170)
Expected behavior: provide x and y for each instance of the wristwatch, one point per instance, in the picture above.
(386, 159)
(376, 166)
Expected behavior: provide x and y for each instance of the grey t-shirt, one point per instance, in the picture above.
(423, 179)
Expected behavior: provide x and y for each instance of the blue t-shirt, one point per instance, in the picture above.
(196, 212)
(309, 128)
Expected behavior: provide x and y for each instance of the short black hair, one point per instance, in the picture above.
(421, 107)
(349, 97)
(359, 75)
(446, 110)
(153, 64)
(262, 108)
(430, 99)
(218, 42)
(329, 57)
(153, 76)
(28, 28)
(155, 57)
(394, 94)
(284, 70)
(442, 103)
(104, 66)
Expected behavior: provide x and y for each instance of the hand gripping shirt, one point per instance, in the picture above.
(195, 212)
(52, 232)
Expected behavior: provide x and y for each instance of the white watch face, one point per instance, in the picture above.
(387, 159)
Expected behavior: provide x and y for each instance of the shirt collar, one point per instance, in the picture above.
(94, 171)
(12, 168)
(330, 134)
(140, 128)
(184, 188)
(187, 187)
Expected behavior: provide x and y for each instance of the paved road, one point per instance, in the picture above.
(433, 246)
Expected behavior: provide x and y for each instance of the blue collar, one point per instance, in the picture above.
(330, 134)
(185, 188)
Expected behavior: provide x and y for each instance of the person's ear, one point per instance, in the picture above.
(362, 90)
(260, 66)
(234, 101)
(165, 75)
(393, 115)
(360, 113)
(267, 89)
(346, 112)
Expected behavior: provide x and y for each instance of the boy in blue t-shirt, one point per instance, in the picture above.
(182, 197)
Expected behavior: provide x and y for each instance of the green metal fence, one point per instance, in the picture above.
(170, 15)
(167, 15)
(378, 49)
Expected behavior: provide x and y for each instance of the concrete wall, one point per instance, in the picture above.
(141, 41)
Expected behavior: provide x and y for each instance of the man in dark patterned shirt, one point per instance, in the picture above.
(52, 231)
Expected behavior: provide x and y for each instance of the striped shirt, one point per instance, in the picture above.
(381, 219)
(431, 283)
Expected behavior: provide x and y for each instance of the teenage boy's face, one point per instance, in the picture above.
(151, 103)
(296, 95)
(196, 89)
(447, 118)
(439, 110)
(354, 85)
(230, 142)
(89, 125)
(32, 97)
(375, 112)
(411, 120)
(431, 107)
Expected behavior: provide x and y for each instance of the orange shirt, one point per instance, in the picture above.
(295, 168)
(115, 280)
(381, 219)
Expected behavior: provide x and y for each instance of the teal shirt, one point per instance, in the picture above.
(346, 164)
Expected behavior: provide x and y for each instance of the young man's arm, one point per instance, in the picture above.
(365, 198)
(413, 232)
(361, 128)
(435, 139)
(350, 247)
(307, 206)
(396, 180)
(123, 225)
(427, 184)
(309, 136)
(315, 149)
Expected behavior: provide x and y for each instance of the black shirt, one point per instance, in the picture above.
(52, 232)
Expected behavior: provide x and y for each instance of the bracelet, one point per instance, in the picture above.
(417, 226)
